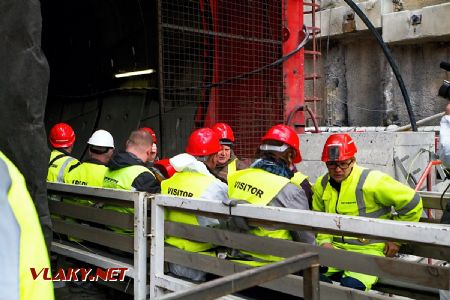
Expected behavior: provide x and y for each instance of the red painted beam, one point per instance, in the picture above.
(293, 68)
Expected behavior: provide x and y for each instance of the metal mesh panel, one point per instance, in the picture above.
(204, 44)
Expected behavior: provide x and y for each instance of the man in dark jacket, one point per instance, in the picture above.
(127, 171)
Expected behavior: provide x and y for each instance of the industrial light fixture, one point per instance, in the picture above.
(135, 73)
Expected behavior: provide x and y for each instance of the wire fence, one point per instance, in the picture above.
(205, 47)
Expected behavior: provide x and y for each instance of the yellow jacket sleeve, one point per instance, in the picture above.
(319, 205)
(389, 192)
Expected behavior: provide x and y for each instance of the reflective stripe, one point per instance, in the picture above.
(355, 241)
(378, 213)
(411, 205)
(63, 168)
(359, 193)
(324, 181)
(10, 237)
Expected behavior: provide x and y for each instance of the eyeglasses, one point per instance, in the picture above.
(335, 164)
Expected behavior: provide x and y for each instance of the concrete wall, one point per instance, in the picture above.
(376, 150)
(359, 85)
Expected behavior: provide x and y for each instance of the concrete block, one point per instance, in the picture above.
(334, 21)
(376, 150)
(399, 26)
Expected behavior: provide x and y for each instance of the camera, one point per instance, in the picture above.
(444, 90)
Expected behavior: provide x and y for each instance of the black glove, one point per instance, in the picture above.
(234, 222)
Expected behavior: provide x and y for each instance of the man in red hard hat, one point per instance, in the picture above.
(193, 179)
(268, 183)
(227, 162)
(61, 138)
(349, 189)
(154, 152)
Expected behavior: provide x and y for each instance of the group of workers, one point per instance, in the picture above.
(210, 170)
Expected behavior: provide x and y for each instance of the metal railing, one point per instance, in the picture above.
(138, 268)
(430, 235)
(250, 278)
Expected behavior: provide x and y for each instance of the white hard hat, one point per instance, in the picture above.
(101, 138)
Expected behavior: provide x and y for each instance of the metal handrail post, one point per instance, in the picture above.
(156, 248)
(140, 246)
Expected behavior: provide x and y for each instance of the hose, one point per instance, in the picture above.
(390, 59)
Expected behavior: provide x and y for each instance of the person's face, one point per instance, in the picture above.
(340, 170)
(69, 149)
(153, 153)
(224, 154)
(211, 162)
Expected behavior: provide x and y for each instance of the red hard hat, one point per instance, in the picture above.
(338, 147)
(287, 135)
(203, 142)
(62, 136)
(224, 131)
(164, 166)
(152, 133)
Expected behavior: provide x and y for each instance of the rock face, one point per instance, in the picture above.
(359, 87)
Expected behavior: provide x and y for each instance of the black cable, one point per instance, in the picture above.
(390, 59)
(245, 75)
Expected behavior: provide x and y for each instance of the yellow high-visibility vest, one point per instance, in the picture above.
(365, 193)
(59, 166)
(258, 187)
(122, 179)
(30, 249)
(187, 185)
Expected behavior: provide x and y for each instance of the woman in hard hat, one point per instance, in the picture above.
(268, 183)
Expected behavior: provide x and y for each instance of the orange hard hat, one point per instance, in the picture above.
(164, 166)
(152, 133)
(225, 133)
(338, 147)
(62, 136)
(286, 135)
(203, 142)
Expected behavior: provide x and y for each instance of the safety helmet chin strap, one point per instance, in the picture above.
(266, 147)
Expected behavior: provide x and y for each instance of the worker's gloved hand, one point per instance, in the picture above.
(391, 249)
(236, 223)
(233, 202)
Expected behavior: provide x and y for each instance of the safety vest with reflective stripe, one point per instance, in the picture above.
(298, 178)
(122, 179)
(186, 185)
(365, 193)
(258, 187)
(59, 167)
(88, 174)
(25, 239)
